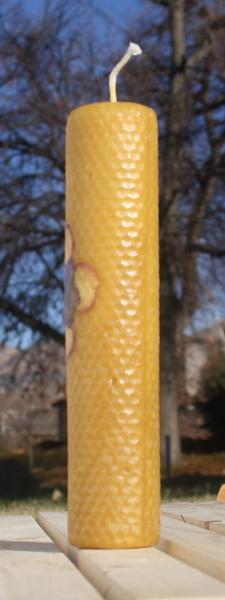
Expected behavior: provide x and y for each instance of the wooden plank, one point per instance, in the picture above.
(205, 505)
(204, 550)
(209, 506)
(55, 524)
(32, 567)
(217, 527)
(141, 574)
(18, 527)
(201, 515)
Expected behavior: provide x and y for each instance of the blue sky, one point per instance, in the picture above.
(118, 9)
(123, 13)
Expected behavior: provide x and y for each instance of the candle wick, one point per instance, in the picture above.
(132, 50)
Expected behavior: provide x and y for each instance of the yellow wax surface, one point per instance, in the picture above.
(112, 339)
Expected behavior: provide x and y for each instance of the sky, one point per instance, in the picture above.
(122, 13)
(118, 9)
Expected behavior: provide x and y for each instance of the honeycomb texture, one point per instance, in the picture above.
(113, 371)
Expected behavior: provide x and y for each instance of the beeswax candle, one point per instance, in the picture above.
(112, 325)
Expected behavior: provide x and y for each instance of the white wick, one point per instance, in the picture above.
(132, 50)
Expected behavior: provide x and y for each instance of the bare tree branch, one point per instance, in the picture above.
(207, 249)
(31, 321)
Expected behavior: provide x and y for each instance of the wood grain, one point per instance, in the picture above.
(204, 550)
(141, 574)
(32, 567)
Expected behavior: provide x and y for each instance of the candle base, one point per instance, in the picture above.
(102, 540)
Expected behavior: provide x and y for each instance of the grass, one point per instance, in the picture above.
(189, 489)
(26, 491)
(202, 464)
(198, 478)
(31, 505)
(172, 491)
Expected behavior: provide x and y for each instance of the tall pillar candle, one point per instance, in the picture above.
(112, 325)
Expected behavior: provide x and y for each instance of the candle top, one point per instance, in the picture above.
(106, 109)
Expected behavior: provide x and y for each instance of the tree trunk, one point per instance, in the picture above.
(171, 323)
(169, 381)
(30, 451)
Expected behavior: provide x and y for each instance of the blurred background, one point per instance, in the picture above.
(56, 55)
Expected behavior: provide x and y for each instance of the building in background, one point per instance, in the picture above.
(32, 395)
(197, 349)
(33, 400)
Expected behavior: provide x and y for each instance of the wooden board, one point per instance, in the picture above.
(197, 547)
(144, 574)
(199, 514)
(218, 527)
(32, 567)
(209, 515)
